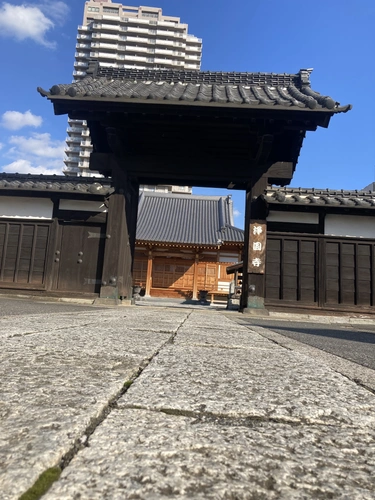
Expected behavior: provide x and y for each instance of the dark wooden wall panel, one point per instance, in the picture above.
(23, 252)
(291, 269)
(346, 276)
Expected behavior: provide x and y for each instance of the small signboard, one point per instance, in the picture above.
(257, 247)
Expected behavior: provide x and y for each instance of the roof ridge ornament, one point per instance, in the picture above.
(305, 75)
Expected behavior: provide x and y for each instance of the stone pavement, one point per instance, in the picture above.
(153, 403)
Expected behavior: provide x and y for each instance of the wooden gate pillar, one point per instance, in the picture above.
(120, 239)
(254, 266)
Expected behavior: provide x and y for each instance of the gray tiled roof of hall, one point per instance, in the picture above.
(183, 220)
(248, 90)
(363, 199)
(55, 183)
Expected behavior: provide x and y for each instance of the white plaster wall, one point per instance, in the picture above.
(297, 217)
(25, 208)
(82, 205)
(228, 257)
(350, 225)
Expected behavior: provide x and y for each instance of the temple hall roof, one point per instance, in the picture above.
(186, 220)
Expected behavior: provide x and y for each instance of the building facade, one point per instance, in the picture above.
(119, 36)
(184, 245)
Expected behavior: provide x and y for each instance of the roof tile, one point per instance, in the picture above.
(318, 197)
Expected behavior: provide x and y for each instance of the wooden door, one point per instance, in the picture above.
(173, 273)
(80, 257)
(208, 275)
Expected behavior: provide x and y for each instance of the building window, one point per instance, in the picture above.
(110, 10)
(93, 9)
(150, 14)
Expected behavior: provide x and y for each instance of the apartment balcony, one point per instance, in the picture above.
(194, 48)
(84, 36)
(83, 28)
(74, 130)
(71, 163)
(72, 171)
(136, 58)
(109, 46)
(109, 36)
(110, 17)
(168, 52)
(165, 61)
(107, 55)
(79, 73)
(132, 49)
(135, 29)
(82, 45)
(80, 54)
(73, 150)
(192, 58)
(136, 39)
(75, 140)
(85, 132)
(84, 164)
(192, 66)
(84, 154)
(86, 143)
(80, 64)
(108, 27)
(74, 121)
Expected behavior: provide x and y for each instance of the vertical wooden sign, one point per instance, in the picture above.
(257, 247)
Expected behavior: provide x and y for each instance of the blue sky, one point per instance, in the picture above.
(335, 37)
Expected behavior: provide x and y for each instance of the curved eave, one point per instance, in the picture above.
(71, 100)
(192, 246)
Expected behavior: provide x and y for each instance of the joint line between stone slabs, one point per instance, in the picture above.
(264, 332)
(222, 419)
(82, 442)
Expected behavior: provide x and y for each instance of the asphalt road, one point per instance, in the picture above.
(353, 342)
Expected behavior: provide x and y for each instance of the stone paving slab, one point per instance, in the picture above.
(231, 336)
(55, 384)
(138, 454)
(157, 321)
(267, 383)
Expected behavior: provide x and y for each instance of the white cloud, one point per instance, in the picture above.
(35, 154)
(40, 145)
(26, 167)
(236, 213)
(14, 120)
(27, 21)
(1, 146)
(58, 11)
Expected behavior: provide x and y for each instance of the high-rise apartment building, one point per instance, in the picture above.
(125, 37)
